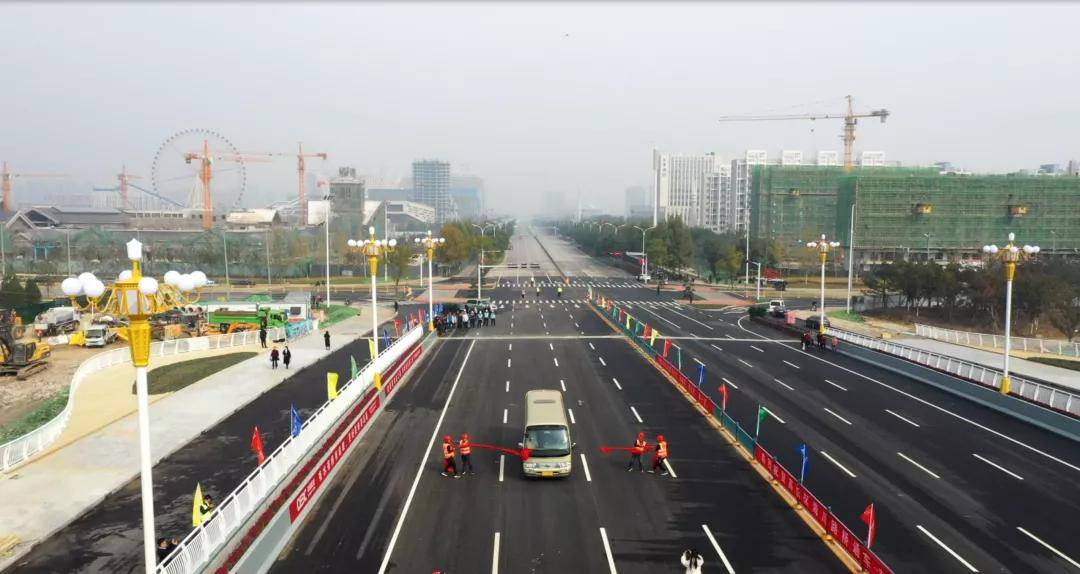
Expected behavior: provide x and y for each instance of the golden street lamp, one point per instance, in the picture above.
(136, 298)
(373, 249)
(823, 248)
(1010, 255)
(430, 243)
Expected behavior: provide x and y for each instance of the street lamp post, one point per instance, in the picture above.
(1053, 239)
(823, 248)
(928, 236)
(373, 248)
(228, 284)
(480, 271)
(851, 258)
(644, 257)
(430, 243)
(136, 298)
(1010, 255)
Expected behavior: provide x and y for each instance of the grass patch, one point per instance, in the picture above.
(1055, 362)
(173, 377)
(337, 314)
(33, 419)
(846, 316)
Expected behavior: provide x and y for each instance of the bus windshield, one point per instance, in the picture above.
(547, 440)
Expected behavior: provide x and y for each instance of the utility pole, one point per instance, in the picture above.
(851, 256)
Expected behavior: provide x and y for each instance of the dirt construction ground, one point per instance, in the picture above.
(20, 397)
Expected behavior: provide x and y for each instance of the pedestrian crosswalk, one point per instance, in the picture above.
(642, 303)
(551, 284)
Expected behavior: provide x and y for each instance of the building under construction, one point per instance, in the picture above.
(914, 213)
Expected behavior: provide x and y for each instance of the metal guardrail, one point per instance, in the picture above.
(971, 339)
(205, 540)
(1033, 391)
(19, 450)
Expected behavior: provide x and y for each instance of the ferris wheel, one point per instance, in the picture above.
(194, 166)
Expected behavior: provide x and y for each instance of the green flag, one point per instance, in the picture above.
(761, 414)
(355, 369)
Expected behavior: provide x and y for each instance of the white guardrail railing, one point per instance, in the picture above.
(1051, 346)
(23, 448)
(1035, 392)
(206, 539)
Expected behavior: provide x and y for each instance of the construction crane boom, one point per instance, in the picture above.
(851, 119)
(301, 169)
(6, 180)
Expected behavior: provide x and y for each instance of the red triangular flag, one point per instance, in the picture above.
(723, 395)
(871, 521)
(257, 445)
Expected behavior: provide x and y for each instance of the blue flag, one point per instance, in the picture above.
(805, 462)
(294, 421)
(700, 375)
(385, 338)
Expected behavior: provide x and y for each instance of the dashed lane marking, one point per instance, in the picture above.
(789, 363)
(562, 384)
(715, 347)
(716, 546)
(947, 549)
(924, 469)
(785, 385)
(602, 361)
(616, 381)
(1050, 548)
(745, 363)
(835, 385)
(636, 415)
(999, 467)
(607, 550)
(729, 382)
(571, 413)
(495, 556)
(905, 419)
(585, 467)
(837, 416)
(502, 465)
(837, 463)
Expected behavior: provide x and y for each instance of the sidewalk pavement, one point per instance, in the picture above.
(1064, 378)
(51, 491)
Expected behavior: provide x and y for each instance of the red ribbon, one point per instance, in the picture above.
(633, 449)
(524, 453)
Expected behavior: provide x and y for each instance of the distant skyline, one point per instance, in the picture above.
(533, 97)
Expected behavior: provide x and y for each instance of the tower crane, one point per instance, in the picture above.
(301, 169)
(206, 160)
(7, 178)
(851, 119)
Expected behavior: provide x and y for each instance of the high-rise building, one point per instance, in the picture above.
(467, 191)
(738, 208)
(829, 157)
(347, 201)
(679, 182)
(431, 185)
(638, 205)
(872, 159)
(791, 157)
(1073, 168)
(717, 200)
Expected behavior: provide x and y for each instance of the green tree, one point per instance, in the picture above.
(881, 282)
(680, 246)
(31, 292)
(1065, 311)
(456, 248)
(398, 261)
(12, 293)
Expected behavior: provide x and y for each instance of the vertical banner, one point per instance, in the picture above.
(331, 386)
(667, 347)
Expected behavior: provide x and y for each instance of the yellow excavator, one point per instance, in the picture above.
(19, 359)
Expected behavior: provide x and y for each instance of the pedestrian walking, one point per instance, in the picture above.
(262, 335)
(835, 343)
(326, 338)
(636, 452)
(537, 291)
(661, 455)
(449, 468)
(274, 354)
(493, 317)
(395, 306)
(286, 356)
(692, 561)
(165, 546)
(807, 340)
(522, 293)
(465, 447)
(560, 292)
(821, 341)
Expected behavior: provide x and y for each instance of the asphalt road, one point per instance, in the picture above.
(108, 538)
(475, 382)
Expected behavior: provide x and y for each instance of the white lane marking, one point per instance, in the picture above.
(716, 546)
(789, 387)
(729, 382)
(758, 349)
(671, 471)
(585, 467)
(511, 347)
(571, 413)
(792, 364)
(495, 556)
(636, 415)
(837, 416)
(602, 361)
(715, 347)
(728, 336)
(929, 404)
(502, 465)
(908, 421)
(745, 363)
(1051, 548)
(662, 318)
(507, 363)
(592, 347)
(837, 463)
(698, 362)
(562, 384)
(835, 385)
(924, 469)
(508, 386)
(772, 414)
(616, 381)
(999, 467)
(607, 550)
(692, 319)
(505, 411)
(947, 549)
(556, 359)
(576, 326)
(551, 346)
(420, 468)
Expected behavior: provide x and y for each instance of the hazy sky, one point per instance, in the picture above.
(533, 97)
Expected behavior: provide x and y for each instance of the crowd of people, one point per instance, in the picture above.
(464, 319)
(823, 342)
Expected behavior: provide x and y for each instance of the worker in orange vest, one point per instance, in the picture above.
(635, 454)
(465, 445)
(661, 455)
(448, 457)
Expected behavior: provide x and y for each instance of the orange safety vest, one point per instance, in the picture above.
(639, 446)
(661, 449)
(448, 450)
(466, 447)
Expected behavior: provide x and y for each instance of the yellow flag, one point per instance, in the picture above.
(196, 507)
(372, 348)
(331, 385)
(378, 380)
(652, 340)
(628, 322)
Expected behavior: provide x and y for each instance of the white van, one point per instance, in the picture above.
(547, 435)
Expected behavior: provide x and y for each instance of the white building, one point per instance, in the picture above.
(738, 215)
(872, 159)
(828, 158)
(791, 157)
(717, 201)
(679, 186)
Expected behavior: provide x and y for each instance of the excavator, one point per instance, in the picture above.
(19, 359)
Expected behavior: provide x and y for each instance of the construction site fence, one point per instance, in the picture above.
(1039, 393)
(1028, 345)
(216, 530)
(20, 450)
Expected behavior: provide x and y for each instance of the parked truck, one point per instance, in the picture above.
(56, 321)
(100, 335)
(231, 321)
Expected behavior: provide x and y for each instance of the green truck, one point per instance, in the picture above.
(233, 320)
